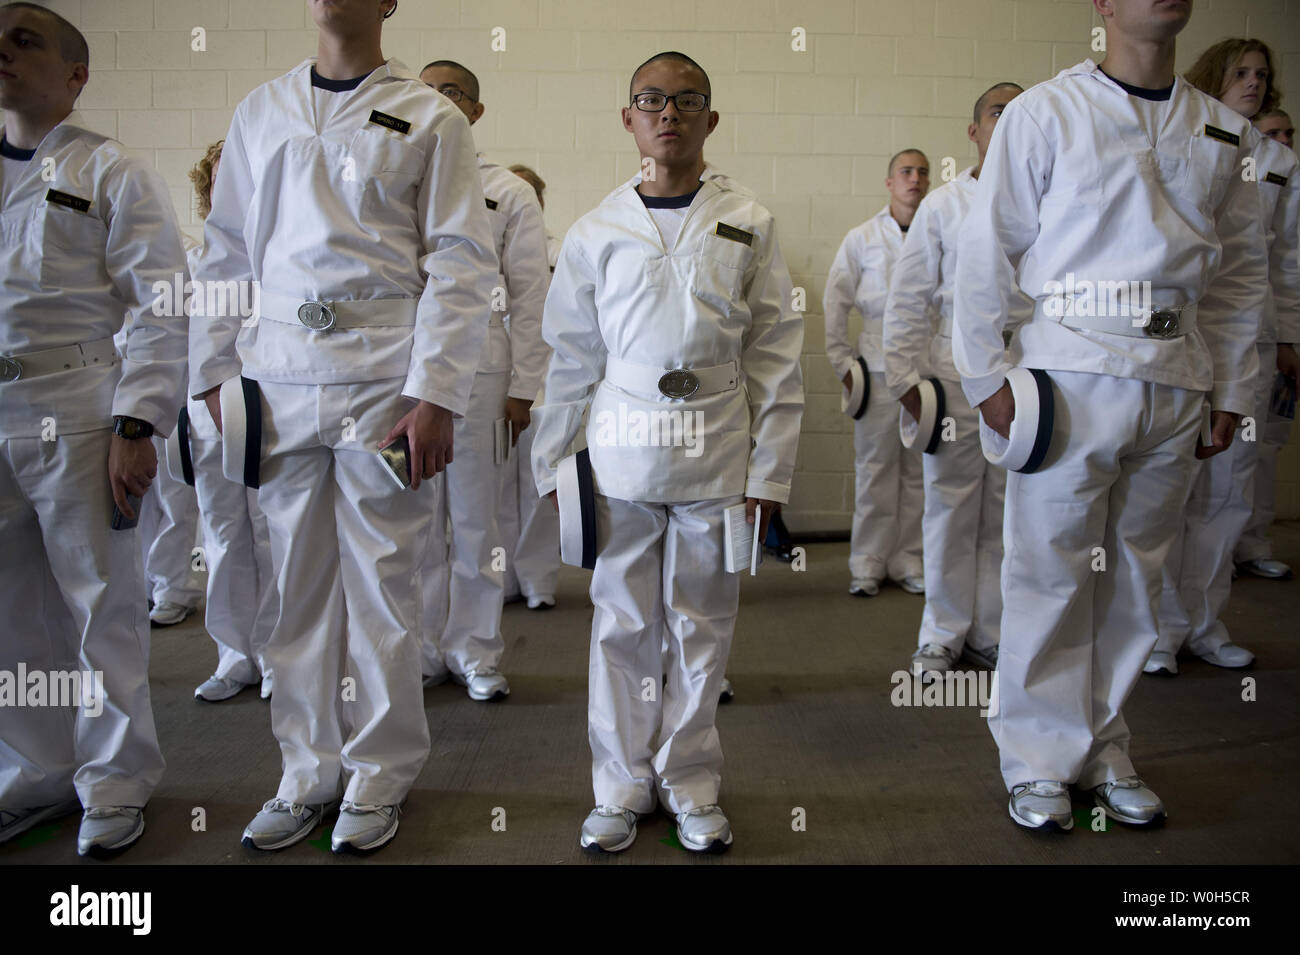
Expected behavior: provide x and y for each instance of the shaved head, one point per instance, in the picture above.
(72, 45)
(468, 81)
(675, 57)
(979, 103)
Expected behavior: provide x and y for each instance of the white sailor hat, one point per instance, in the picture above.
(924, 433)
(241, 431)
(180, 463)
(854, 401)
(1031, 429)
(576, 495)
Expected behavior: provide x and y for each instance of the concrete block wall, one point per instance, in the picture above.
(809, 129)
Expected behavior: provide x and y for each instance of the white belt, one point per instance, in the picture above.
(1161, 322)
(324, 316)
(672, 382)
(47, 362)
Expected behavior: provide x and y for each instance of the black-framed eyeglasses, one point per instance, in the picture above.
(455, 94)
(657, 102)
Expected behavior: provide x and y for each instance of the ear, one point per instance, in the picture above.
(627, 118)
(477, 113)
(713, 122)
(970, 132)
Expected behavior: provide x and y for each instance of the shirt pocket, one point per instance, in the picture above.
(1211, 164)
(387, 169)
(719, 271)
(73, 246)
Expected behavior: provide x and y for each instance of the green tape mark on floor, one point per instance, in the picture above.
(34, 837)
(323, 843)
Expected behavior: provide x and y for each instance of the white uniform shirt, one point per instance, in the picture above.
(519, 234)
(350, 209)
(617, 291)
(70, 277)
(1278, 172)
(922, 288)
(1072, 184)
(860, 276)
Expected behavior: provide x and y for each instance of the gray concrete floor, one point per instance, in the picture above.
(812, 728)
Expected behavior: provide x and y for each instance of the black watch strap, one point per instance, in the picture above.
(131, 428)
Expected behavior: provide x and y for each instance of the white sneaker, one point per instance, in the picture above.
(864, 587)
(1267, 568)
(267, 686)
(1160, 663)
(168, 614)
(541, 602)
(608, 829)
(281, 824)
(485, 684)
(987, 658)
(1230, 656)
(725, 692)
(1043, 804)
(1129, 800)
(217, 688)
(107, 830)
(913, 585)
(363, 828)
(932, 661)
(704, 829)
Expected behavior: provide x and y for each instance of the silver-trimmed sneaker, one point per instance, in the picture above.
(363, 828)
(1266, 567)
(932, 661)
(107, 830)
(913, 584)
(1161, 663)
(608, 829)
(864, 587)
(541, 602)
(987, 658)
(1230, 657)
(726, 692)
(268, 685)
(14, 822)
(485, 684)
(704, 829)
(1043, 805)
(168, 614)
(281, 824)
(1128, 800)
(217, 688)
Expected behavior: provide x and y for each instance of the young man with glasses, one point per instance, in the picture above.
(670, 298)
(462, 588)
(348, 191)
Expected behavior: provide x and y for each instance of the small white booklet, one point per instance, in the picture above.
(742, 546)
(501, 441)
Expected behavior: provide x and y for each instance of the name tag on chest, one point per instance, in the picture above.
(390, 122)
(734, 234)
(68, 200)
(1275, 179)
(1222, 135)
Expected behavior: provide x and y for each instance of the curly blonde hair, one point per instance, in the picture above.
(1208, 72)
(201, 176)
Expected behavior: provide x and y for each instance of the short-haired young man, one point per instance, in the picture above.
(888, 498)
(670, 298)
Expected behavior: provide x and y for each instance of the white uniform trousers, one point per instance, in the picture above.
(462, 592)
(1273, 433)
(346, 543)
(962, 529)
(1075, 636)
(55, 509)
(659, 579)
(242, 602)
(889, 495)
(168, 526)
(529, 528)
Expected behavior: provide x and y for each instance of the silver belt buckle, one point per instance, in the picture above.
(317, 316)
(679, 383)
(11, 369)
(1162, 323)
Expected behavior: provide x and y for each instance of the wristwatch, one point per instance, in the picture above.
(131, 428)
